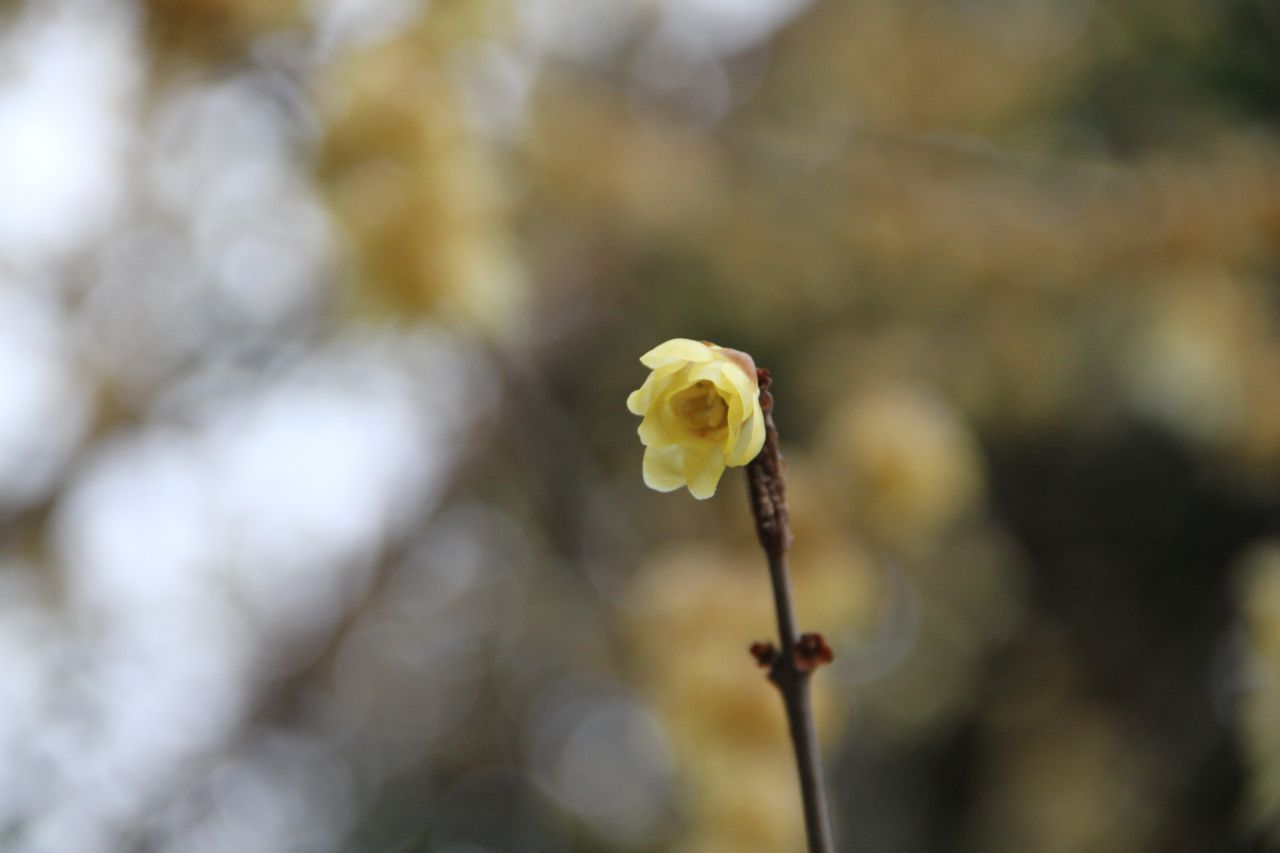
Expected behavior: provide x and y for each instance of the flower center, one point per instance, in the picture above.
(700, 408)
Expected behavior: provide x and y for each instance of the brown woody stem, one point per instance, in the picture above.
(790, 669)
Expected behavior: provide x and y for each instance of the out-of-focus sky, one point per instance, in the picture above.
(321, 518)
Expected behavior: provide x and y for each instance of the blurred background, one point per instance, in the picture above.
(321, 518)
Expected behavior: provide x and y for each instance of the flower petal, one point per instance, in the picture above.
(664, 468)
(661, 426)
(654, 431)
(702, 470)
(740, 358)
(676, 349)
(715, 373)
(654, 385)
(748, 387)
(750, 439)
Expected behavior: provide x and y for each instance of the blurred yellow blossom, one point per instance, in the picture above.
(689, 618)
(701, 408)
(915, 464)
(417, 190)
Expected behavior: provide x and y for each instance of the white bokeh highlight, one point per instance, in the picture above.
(45, 396)
(66, 95)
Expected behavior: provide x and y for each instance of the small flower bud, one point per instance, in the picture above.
(764, 653)
(811, 651)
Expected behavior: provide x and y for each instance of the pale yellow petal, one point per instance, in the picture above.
(716, 373)
(677, 350)
(657, 431)
(746, 386)
(702, 470)
(740, 358)
(664, 468)
(660, 425)
(642, 398)
(750, 439)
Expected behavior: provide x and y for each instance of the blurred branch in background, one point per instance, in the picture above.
(320, 526)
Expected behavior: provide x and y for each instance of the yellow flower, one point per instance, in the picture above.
(701, 408)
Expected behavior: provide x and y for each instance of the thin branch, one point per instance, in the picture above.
(791, 668)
